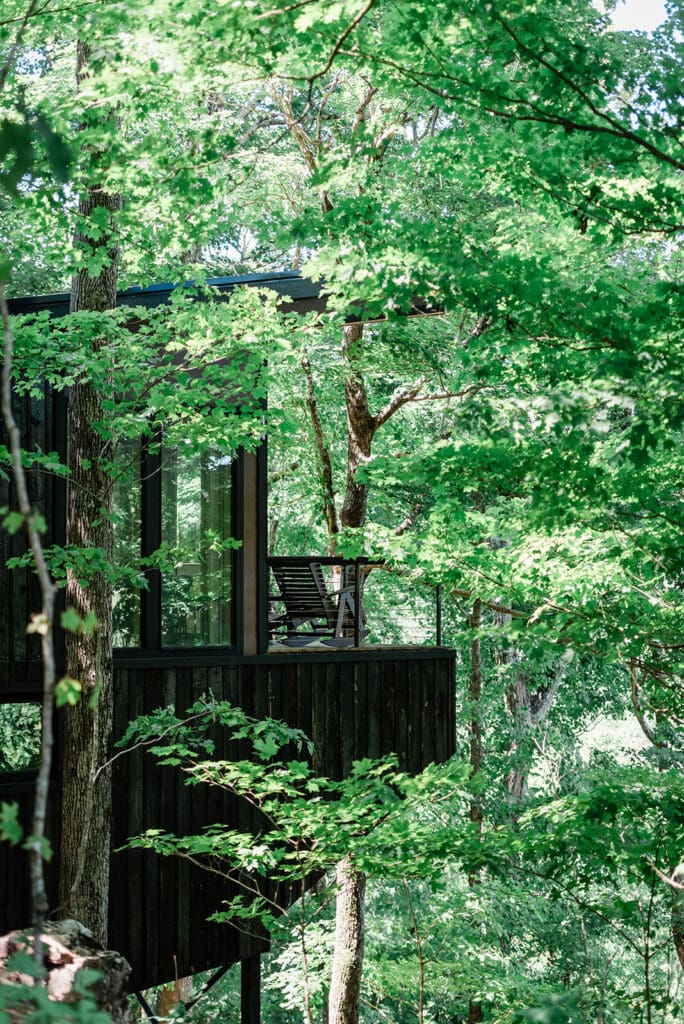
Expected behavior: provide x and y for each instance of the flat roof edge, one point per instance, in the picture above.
(288, 283)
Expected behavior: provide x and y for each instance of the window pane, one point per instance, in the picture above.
(126, 517)
(196, 605)
(19, 737)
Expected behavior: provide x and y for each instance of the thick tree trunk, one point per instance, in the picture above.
(345, 985)
(526, 711)
(86, 801)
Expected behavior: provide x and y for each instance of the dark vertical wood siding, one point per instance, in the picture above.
(352, 705)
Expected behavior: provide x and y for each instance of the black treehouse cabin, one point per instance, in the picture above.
(285, 638)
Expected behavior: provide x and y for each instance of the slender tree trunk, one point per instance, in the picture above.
(474, 696)
(476, 752)
(325, 471)
(360, 430)
(519, 708)
(345, 985)
(86, 800)
(343, 1002)
(678, 913)
(44, 623)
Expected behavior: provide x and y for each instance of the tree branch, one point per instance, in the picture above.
(412, 394)
(636, 704)
(410, 520)
(9, 60)
(339, 43)
(399, 398)
(42, 624)
(537, 114)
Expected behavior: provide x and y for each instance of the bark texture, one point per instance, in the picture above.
(527, 709)
(360, 430)
(86, 801)
(678, 913)
(86, 797)
(95, 237)
(323, 454)
(474, 695)
(345, 985)
(475, 1014)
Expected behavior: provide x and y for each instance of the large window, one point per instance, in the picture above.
(196, 522)
(174, 509)
(127, 550)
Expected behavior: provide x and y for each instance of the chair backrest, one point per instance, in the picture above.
(304, 593)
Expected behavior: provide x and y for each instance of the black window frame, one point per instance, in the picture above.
(151, 459)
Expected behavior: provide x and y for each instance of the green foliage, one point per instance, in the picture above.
(74, 623)
(20, 138)
(19, 736)
(561, 1009)
(10, 827)
(520, 168)
(67, 692)
(386, 819)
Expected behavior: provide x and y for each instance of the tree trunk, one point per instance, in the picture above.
(86, 803)
(360, 430)
(474, 695)
(678, 913)
(345, 985)
(519, 708)
(325, 471)
(475, 811)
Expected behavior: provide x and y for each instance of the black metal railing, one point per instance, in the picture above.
(305, 605)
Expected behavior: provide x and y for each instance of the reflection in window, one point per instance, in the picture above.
(19, 737)
(196, 527)
(126, 515)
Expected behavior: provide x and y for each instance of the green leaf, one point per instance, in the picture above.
(13, 521)
(10, 829)
(74, 623)
(43, 844)
(67, 691)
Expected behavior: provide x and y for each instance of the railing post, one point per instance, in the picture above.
(438, 615)
(357, 603)
(250, 990)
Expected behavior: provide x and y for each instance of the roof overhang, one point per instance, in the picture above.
(297, 294)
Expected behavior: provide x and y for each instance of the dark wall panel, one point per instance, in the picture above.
(38, 421)
(351, 706)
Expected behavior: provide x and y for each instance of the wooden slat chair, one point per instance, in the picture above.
(309, 604)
